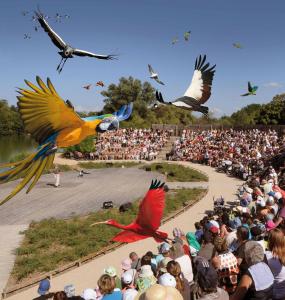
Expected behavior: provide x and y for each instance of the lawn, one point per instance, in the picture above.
(177, 172)
(51, 243)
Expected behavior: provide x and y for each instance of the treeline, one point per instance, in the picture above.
(10, 121)
(144, 115)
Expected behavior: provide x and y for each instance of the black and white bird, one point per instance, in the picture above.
(66, 50)
(199, 90)
(154, 75)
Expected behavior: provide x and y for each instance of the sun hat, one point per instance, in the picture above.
(44, 287)
(164, 248)
(260, 201)
(167, 280)
(162, 264)
(214, 223)
(126, 264)
(128, 277)
(69, 290)
(111, 271)
(146, 271)
(159, 292)
(253, 253)
(270, 225)
(89, 294)
(235, 223)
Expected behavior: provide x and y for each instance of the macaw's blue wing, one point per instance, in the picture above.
(124, 112)
(254, 89)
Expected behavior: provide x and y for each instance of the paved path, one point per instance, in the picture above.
(88, 274)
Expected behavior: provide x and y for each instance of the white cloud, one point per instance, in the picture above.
(273, 84)
(82, 108)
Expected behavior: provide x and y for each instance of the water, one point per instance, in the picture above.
(13, 145)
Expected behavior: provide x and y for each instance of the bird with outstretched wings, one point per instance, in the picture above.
(154, 75)
(199, 90)
(251, 90)
(187, 35)
(53, 124)
(66, 50)
(148, 219)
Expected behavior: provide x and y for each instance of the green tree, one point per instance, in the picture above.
(10, 121)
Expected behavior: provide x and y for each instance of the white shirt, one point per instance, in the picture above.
(186, 267)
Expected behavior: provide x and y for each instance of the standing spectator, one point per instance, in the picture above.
(145, 278)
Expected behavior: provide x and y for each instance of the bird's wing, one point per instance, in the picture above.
(79, 52)
(246, 94)
(249, 87)
(201, 84)
(127, 236)
(185, 102)
(159, 97)
(157, 80)
(56, 39)
(254, 89)
(152, 206)
(43, 112)
(124, 112)
(151, 71)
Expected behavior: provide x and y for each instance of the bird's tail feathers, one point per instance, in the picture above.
(203, 109)
(30, 168)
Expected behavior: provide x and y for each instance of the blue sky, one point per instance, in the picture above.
(140, 32)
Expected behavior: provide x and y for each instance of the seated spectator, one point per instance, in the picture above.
(69, 290)
(182, 284)
(226, 264)
(107, 287)
(111, 271)
(89, 294)
(136, 261)
(164, 251)
(183, 260)
(276, 260)
(128, 288)
(145, 278)
(207, 279)
(207, 250)
(159, 292)
(43, 290)
(257, 281)
(60, 296)
(167, 279)
(193, 244)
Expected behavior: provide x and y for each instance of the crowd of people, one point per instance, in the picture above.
(237, 252)
(239, 152)
(133, 144)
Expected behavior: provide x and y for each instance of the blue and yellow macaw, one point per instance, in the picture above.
(54, 124)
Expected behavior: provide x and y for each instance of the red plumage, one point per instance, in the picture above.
(148, 219)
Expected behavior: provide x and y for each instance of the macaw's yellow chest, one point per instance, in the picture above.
(73, 136)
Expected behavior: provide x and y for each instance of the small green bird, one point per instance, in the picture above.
(187, 35)
(174, 41)
(237, 45)
(251, 90)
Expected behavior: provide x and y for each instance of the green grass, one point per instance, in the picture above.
(177, 172)
(103, 165)
(51, 243)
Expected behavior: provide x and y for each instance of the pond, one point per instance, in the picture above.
(10, 146)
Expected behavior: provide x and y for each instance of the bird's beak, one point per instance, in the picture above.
(97, 223)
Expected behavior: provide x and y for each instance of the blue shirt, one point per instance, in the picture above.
(116, 295)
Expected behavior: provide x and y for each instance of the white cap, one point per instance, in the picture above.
(89, 294)
(128, 276)
(167, 280)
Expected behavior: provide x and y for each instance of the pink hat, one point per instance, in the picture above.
(126, 264)
(270, 225)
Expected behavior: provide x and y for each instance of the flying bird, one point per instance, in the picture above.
(58, 17)
(237, 45)
(199, 90)
(87, 87)
(26, 36)
(148, 219)
(174, 41)
(66, 50)
(251, 90)
(54, 124)
(100, 83)
(187, 35)
(25, 12)
(154, 75)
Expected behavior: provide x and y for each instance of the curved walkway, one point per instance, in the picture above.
(88, 274)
